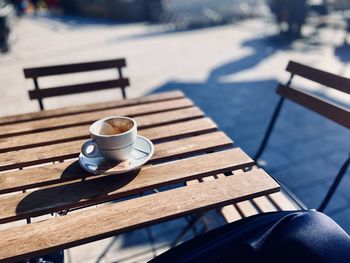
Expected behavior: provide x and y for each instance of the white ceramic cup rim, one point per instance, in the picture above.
(99, 122)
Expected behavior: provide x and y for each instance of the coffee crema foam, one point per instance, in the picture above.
(115, 126)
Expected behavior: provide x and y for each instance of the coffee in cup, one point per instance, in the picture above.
(112, 137)
(116, 126)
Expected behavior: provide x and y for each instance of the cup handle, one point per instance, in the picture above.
(90, 154)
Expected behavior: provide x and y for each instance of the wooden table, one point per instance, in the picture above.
(40, 174)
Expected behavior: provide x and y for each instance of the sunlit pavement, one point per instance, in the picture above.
(230, 71)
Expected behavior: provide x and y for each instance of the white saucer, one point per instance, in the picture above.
(143, 151)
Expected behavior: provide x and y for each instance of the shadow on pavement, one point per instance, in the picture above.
(304, 148)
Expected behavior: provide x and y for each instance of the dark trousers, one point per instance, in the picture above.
(303, 236)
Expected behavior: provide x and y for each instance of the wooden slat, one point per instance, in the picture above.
(88, 118)
(158, 97)
(169, 117)
(230, 213)
(13, 224)
(246, 208)
(39, 176)
(183, 147)
(264, 204)
(283, 202)
(192, 182)
(99, 189)
(62, 151)
(210, 218)
(319, 105)
(77, 88)
(208, 178)
(82, 132)
(36, 72)
(64, 232)
(320, 76)
(269, 203)
(178, 130)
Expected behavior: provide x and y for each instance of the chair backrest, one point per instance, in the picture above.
(322, 106)
(37, 72)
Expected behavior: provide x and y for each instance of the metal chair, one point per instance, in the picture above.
(327, 109)
(40, 94)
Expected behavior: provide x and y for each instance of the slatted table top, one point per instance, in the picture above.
(40, 174)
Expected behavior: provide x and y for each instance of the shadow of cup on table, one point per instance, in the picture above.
(75, 188)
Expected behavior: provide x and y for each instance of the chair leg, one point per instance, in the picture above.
(189, 226)
(335, 184)
(41, 105)
(40, 100)
(123, 93)
(269, 130)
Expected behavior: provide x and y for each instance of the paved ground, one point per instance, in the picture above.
(231, 72)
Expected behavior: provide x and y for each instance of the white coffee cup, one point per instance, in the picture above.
(113, 138)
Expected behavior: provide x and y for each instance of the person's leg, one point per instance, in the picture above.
(220, 243)
(271, 237)
(307, 236)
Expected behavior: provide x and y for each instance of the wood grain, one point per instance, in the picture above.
(264, 204)
(90, 107)
(51, 173)
(230, 213)
(268, 203)
(246, 208)
(64, 232)
(62, 151)
(283, 202)
(97, 189)
(178, 130)
(82, 132)
(90, 117)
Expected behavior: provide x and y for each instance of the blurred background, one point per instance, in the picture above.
(226, 55)
(169, 40)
